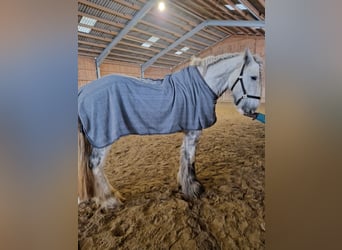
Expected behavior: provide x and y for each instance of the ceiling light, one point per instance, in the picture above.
(229, 7)
(146, 44)
(153, 39)
(184, 49)
(88, 21)
(178, 52)
(241, 6)
(83, 29)
(161, 6)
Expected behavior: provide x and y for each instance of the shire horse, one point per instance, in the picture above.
(116, 105)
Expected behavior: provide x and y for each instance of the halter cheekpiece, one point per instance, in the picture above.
(245, 95)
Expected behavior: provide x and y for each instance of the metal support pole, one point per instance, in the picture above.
(140, 14)
(141, 72)
(97, 67)
(228, 23)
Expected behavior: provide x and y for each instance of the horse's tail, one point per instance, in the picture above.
(86, 178)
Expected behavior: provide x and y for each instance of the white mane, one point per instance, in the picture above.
(210, 60)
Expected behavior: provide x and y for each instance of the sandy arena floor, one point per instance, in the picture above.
(230, 163)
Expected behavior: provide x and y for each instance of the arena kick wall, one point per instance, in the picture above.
(87, 70)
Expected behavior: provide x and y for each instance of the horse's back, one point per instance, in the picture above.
(115, 105)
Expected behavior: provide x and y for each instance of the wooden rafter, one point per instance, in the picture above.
(171, 32)
(122, 59)
(113, 33)
(128, 4)
(130, 51)
(138, 46)
(184, 27)
(94, 37)
(262, 3)
(92, 44)
(182, 7)
(243, 15)
(90, 50)
(252, 8)
(104, 9)
(141, 57)
(102, 20)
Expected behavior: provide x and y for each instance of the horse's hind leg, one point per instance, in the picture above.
(191, 187)
(105, 194)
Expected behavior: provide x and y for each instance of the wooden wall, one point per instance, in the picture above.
(87, 71)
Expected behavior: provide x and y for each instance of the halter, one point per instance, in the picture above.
(245, 95)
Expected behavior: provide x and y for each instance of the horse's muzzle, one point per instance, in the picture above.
(251, 114)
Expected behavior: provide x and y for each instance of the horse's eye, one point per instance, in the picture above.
(254, 78)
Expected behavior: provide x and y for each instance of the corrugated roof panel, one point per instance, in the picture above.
(156, 32)
(164, 24)
(108, 27)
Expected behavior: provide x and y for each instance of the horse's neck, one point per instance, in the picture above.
(219, 77)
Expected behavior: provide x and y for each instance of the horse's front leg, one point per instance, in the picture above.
(191, 187)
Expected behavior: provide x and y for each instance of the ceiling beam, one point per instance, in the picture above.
(113, 33)
(229, 23)
(92, 44)
(90, 50)
(262, 3)
(151, 34)
(246, 16)
(251, 9)
(173, 33)
(184, 8)
(137, 52)
(141, 57)
(220, 12)
(104, 9)
(140, 14)
(103, 39)
(127, 4)
(105, 21)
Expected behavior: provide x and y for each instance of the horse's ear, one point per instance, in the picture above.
(248, 56)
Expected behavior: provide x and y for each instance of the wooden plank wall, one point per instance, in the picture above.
(87, 71)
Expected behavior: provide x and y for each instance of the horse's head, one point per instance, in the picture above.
(246, 84)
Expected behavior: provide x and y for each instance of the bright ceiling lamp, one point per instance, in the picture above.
(88, 21)
(83, 29)
(153, 39)
(184, 49)
(241, 6)
(161, 6)
(146, 44)
(229, 7)
(150, 41)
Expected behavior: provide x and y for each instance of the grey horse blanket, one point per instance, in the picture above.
(116, 105)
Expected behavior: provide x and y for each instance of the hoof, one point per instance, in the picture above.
(110, 201)
(192, 190)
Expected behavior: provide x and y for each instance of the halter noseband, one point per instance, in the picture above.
(245, 95)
